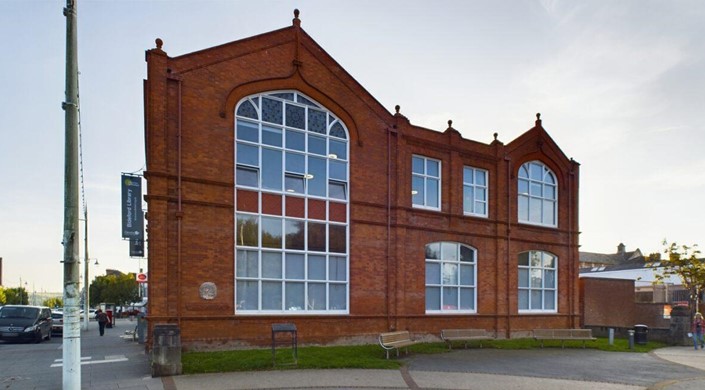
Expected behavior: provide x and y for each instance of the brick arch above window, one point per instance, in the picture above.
(293, 83)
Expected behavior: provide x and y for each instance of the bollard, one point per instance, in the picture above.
(611, 336)
(631, 339)
(166, 350)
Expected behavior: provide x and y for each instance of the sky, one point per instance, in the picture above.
(620, 86)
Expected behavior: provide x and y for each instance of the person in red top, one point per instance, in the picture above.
(697, 328)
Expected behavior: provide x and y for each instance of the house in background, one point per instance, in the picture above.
(622, 257)
(281, 191)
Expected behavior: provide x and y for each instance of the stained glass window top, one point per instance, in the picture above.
(247, 110)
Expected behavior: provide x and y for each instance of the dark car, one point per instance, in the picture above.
(57, 322)
(25, 323)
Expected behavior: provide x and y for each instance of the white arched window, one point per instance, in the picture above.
(537, 195)
(451, 278)
(538, 282)
(292, 215)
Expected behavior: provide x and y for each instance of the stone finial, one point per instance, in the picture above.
(538, 119)
(495, 136)
(450, 124)
(296, 21)
(397, 108)
(159, 43)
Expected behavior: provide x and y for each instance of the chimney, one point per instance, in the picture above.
(621, 249)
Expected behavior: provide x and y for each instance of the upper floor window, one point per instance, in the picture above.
(538, 194)
(450, 278)
(475, 191)
(538, 282)
(426, 182)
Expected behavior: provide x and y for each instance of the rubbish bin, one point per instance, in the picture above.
(641, 333)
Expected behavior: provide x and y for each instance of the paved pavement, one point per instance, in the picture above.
(111, 362)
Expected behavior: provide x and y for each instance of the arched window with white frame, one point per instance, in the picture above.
(537, 195)
(538, 282)
(292, 212)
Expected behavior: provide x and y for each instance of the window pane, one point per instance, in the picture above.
(467, 175)
(523, 187)
(433, 251)
(247, 131)
(247, 110)
(417, 165)
(549, 261)
(524, 171)
(524, 259)
(316, 296)
(481, 178)
(468, 199)
(535, 259)
(285, 95)
(432, 168)
(523, 300)
(535, 210)
(271, 232)
(337, 130)
(467, 299)
(317, 121)
(317, 182)
(450, 298)
(295, 116)
(536, 277)
(548, 212)
(247, 176)
(336, 190)
(294, 184)
(272, 169)
(433, 298)
(549, 192)
(480, 194)
(316, 236)
(548, 177)
(432, 196)
(247, 230)
(549, 280)
(480, 208)
(271, 110)
(247, 295)
(339, 149)
(336, 239)
(295, 162)
(467, 254)
(450, 274)
(294, 231)
(247, 154)
(450, 251)
(433, 273)
(536, 172)
(549, 300)
(247, 265)
(294, 266)
(417, 190)
(536, 303)
(467, 275)
(337, 269)
(317, 268)
(523, 277)
(535, 189)
(337, 297)
(272, 136)
(338, 170)
(294, 296)
(295, 140)
(271, 296)
(272, 265)
(316, 145)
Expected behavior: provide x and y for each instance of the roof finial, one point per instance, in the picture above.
(397, 108)
(538, 119)
(450, 124)
(495, 136)
(296, 22)
(159, 43)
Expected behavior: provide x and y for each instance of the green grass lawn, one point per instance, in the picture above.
(365, 356)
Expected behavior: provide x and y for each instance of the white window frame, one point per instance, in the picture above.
(443, 283)
(545, 186)
(476, 188)
(542, 255)
(426, 177)
(331, 153)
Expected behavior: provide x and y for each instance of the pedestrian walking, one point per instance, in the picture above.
(102, 320)
(697, 328)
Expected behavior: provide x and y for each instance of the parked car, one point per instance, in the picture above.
(57, 322)
(25, 323)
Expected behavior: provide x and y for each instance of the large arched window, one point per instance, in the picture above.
(538, 195)
(538, 282)
(450, 278)
(291, 213)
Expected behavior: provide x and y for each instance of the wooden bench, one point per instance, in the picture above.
(564, 335)
(465, 335)
(396, 340)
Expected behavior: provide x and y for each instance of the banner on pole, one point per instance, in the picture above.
(132, 215)
(136, 248)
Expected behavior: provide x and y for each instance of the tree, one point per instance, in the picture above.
(682, 261)
(3, 299)
(16, 296)
(117, 289)
(53, 302)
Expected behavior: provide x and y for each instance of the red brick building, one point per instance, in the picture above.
(280, 190)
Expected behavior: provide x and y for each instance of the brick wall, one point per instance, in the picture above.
(190, 102)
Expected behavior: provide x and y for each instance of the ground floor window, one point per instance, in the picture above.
(537, 282)
(450, 278)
